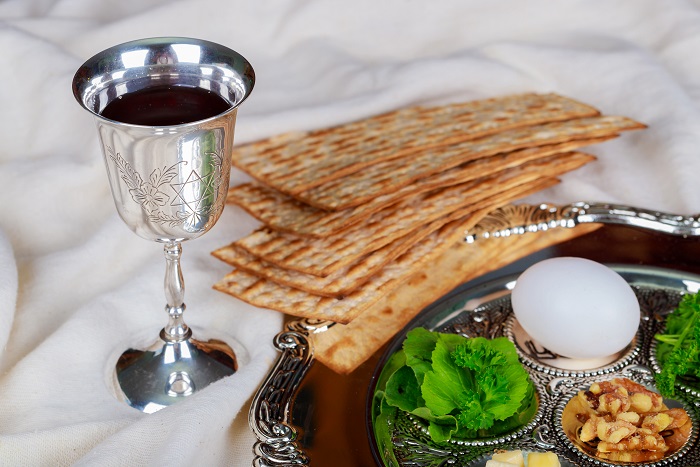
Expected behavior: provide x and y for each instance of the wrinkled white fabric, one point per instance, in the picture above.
(77, 287)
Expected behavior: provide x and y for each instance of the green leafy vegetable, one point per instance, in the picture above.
(678, 350)
(463, 387)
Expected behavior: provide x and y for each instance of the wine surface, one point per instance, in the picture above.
(165, 105)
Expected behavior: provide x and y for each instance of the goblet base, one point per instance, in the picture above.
(167, 372)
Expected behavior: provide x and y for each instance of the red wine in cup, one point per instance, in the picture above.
(165, 105)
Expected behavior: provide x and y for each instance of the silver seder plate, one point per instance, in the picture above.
(486, 311)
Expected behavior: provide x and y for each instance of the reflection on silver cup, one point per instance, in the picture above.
(167, 155)
(170, 186)
(169, 182)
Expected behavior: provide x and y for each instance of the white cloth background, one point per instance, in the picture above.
(77, 287)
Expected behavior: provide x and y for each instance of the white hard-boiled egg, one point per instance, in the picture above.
(576, 307)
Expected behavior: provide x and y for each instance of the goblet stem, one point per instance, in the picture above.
(175, 366)
(176, 329)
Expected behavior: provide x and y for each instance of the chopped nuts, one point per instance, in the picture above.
(624, 421)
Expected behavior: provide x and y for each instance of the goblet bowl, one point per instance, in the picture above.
(169, 182)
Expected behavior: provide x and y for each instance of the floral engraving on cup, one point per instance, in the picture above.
(192, 197)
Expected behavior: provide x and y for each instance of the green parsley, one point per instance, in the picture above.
(465, 388)
(678, 349)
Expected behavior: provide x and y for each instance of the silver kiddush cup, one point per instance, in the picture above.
(169, 183)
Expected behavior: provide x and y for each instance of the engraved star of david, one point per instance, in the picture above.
(202, 186)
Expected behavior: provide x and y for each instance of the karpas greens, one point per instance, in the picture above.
(678, 348)
(465, 388)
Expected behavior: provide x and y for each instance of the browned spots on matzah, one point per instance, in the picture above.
(386, 176)
(375, 203)
(296, 162)
(346, 279)
(344, 347)
(286, 214)
(268, 294)
(322, 256)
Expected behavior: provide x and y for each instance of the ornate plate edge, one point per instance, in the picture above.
(270, 412)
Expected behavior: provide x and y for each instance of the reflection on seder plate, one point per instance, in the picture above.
(543, 359)
(334, 413)
(486, 311)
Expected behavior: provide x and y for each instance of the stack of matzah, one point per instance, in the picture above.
(352, 211)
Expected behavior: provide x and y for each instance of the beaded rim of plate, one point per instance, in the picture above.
(581, 453)
(658, 290)
(623, 359)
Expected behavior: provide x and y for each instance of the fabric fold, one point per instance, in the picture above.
(77, 287)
